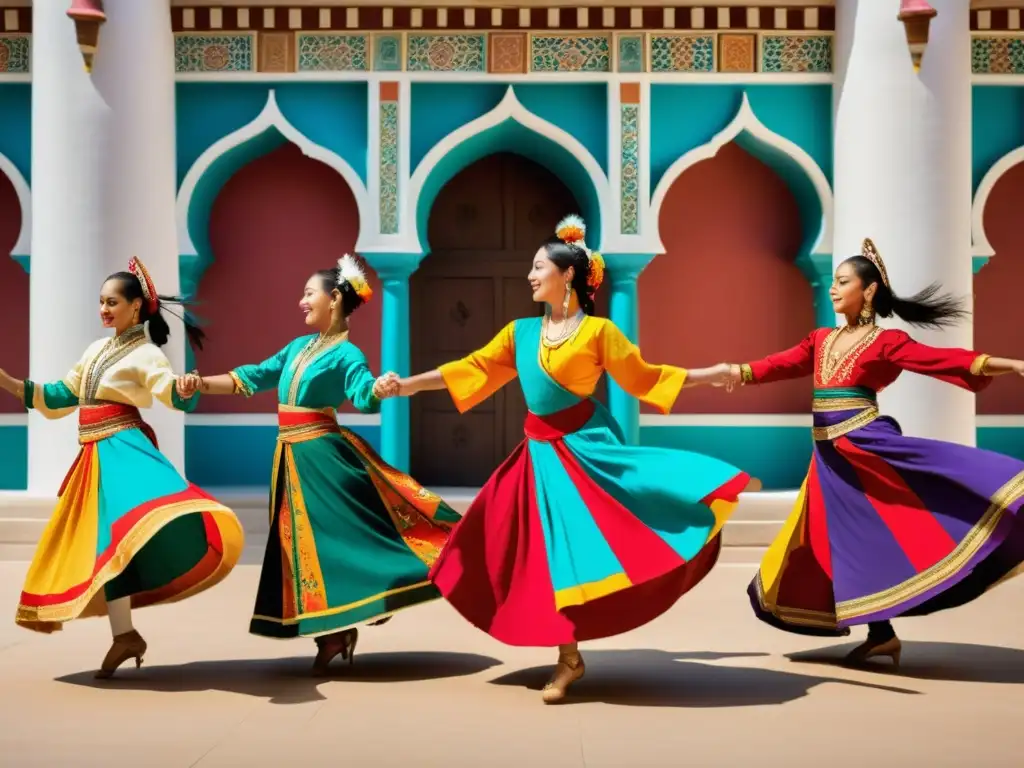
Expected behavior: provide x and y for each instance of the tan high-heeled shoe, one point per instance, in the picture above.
(338, 644)
(569, 669)
(870, 649)
(125, 646)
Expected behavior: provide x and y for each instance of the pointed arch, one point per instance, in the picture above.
(789, 159)
(980, 245)
(510, 126)
(266, 131)
(23, 247)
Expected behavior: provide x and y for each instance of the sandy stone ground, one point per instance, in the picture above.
(705, 685)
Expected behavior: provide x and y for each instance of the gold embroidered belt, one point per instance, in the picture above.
(859, 402)
(98, 422)
(297, 425)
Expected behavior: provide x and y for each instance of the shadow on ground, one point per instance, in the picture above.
(652, 678)
(954, 662)
(286, 681)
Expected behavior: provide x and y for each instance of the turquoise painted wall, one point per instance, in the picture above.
(997, 122)
(16, 136)
(439, 108)
(686, 116)
(778, 456)
(330, 114)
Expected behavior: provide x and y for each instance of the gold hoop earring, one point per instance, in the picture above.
(867, 314)
(565, 301)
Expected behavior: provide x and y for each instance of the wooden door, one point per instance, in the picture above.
(484, 228)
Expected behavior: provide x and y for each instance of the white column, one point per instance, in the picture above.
(134, 72)
(68, 123)
(902, 168)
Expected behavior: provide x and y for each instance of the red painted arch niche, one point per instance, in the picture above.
(997, 292)
(13, 294)
(276, 221)
(727, 288)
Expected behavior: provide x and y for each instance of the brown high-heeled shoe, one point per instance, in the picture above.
(870, 649)
(338, 644)
(125, 646)
(569, 669)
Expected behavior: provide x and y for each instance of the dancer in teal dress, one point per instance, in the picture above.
(351, 538)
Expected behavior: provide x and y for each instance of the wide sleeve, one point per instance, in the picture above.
(259, 377)
(793, 363)
(657, 385)
(480, 374)
(57, 399)
(961, 367)
(359, 383)
(158, 378)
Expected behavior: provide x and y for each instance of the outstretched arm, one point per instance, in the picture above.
(963, 368)
(53, 400)
(245, 380)
(657, 385)
(10, 384)
(793, 363)
(475, 377)
(156, 375)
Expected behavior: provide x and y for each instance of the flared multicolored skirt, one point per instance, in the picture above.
(126, 524)
(887, 525)
(577, 536)
(351, 538)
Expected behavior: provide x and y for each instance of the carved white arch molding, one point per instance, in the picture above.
(745, 121)
(270, 117)
(979, 239)
(510, 108)
(23, 247)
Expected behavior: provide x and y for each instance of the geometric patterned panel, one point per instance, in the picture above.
(447, 53)
(333, 53)
(570, 53)
(15, 54)
(683, 53)
(997, 55)
(796, 53)
(227, 52)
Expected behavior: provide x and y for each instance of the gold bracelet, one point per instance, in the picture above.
(979, 367)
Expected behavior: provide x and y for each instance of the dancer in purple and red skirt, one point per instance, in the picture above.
(885, 525)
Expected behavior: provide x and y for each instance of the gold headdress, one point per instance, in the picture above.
(870, 252)
(573, 231)
(350, 272)
(138, 269)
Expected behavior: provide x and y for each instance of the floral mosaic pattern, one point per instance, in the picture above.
(333, 53)
(682, 53)
(629, 206)
(997, 55)
(631, 53)
(570, 53)
(447, 53)
(387, 53)
(195, 52)
(15, 54)
(796, 53)
(389, 167)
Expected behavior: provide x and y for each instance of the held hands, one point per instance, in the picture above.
(188, 384)
(725, 375)
(387, 386)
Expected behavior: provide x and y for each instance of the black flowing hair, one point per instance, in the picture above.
(564, 255)
(159, 331)
(333, 281)
(926, 308)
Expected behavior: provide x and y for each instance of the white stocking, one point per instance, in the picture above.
(120, 613)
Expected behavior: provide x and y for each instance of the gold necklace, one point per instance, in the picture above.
(567, 330)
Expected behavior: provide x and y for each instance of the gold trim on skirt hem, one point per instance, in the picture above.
(43, 618)
(341, 608)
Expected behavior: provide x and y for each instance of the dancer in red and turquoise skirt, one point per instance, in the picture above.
(128, 530)
(885, 525)
(351, 538)
(577, 536)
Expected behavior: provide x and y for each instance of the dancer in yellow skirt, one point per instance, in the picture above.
(128, 530)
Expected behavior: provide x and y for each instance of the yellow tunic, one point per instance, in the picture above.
(129, 370)
(577, 364)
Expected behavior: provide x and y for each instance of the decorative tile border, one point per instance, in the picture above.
(630, 52)
(447, 53)
(507, 53)
(997, 55)
(570, 53)
(796, 53)
(226, 52)
(996, 20)
(332, 52)
(352, 18)
(682, 53)
(388, 167)
(15, 54)
(629, 133)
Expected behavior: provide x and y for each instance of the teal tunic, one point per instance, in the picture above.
(351, 538)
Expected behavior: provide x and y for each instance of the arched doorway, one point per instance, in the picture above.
(484, 226)
(13, 294)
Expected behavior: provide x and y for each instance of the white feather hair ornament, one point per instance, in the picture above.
(349, 271)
